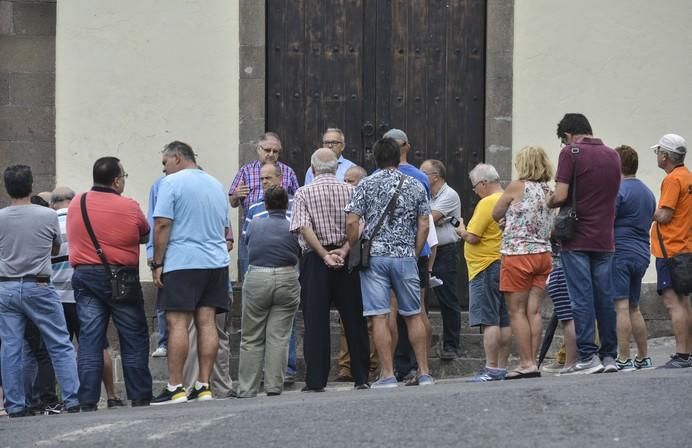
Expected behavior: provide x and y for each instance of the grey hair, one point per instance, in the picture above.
(323, 166)
(484, 172)
(675, 158)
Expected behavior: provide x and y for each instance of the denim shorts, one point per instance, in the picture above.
(628, 272)
(385, 273)
(486, 303)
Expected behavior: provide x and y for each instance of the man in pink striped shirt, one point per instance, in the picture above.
(319, 217)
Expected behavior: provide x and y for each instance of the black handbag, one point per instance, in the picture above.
(565, 223)
(125, 285)
(359, 255)
(680, 268)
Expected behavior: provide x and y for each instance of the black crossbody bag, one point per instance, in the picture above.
(680, 267)
(565, 224)
(359, 255)
(125, 285)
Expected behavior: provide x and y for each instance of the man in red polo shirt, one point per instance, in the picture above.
(120, 227)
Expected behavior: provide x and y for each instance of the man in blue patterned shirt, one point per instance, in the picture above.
(393, 253)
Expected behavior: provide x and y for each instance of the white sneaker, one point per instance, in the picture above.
(593, 365)
(435, 282)
(160, 352)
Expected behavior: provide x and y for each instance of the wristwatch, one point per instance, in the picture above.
(155, 266)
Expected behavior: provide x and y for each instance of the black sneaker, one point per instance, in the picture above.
(312, 389)
(201, 394)
(22, 413)
(76, 409)
(140, 403)
(363, 386)
(168, 397)
(88, 407)
(289, 379)
(55, 409)
(115, 403)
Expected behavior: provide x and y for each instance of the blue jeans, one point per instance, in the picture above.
(163, 328)
(292, 366)
(589, 282)
(21, 301)
(92, 292)
(243, 258)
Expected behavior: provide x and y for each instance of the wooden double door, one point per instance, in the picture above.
(366, 66)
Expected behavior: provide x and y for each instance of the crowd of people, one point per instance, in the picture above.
(70, 266)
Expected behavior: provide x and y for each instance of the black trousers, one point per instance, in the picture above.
(320, 287)
(445, 268)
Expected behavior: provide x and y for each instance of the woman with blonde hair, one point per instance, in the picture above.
(526, 260)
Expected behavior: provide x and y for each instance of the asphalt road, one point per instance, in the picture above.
(647, 408)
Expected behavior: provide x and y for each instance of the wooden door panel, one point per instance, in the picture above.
(366, 66)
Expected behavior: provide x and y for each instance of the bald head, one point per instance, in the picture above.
(323, 161)
(354, 175)
(45, 195)
(61, 197)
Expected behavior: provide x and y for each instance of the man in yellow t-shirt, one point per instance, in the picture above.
(673, 219)
(487, 308)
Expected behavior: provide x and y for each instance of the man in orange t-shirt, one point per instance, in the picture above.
(673, 219)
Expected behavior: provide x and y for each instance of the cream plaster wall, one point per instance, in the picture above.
(625, 64)
(133, 75)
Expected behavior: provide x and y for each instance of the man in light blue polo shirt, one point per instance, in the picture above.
(334, 139)
(190, 266)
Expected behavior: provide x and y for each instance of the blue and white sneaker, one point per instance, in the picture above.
(385, 383)
(644, 363)
(488, 374)
(425, 380)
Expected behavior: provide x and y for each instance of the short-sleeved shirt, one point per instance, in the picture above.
(343, 165)
(153, 195)
(676, 194)
(27, 236)
(249, 174)
(397, 236)
(634, 209)
(62, 271)
(447, 202)
(487, 251)
(197, 205)
(118, 224)
(258, 210)
(320, 206)
(421, 177)
(598, 182)
(270, 243)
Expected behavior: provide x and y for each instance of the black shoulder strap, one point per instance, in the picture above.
(90, 231)
(390, 207)
(575, 153)
(660, 241)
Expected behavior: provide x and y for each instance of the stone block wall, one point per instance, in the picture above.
(27, 89)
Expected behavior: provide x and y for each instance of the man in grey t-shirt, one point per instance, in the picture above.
(28, 235)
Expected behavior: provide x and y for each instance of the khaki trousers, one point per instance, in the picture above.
(270, 299)
(220, 381)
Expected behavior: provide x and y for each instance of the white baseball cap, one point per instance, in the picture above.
(672, 143)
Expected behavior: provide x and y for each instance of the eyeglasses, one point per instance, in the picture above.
(477, 184)
(269, 150)
(123, 175)
(332, 143)
(657, 150)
